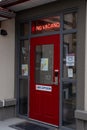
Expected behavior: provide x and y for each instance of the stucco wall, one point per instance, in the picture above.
(7, 51)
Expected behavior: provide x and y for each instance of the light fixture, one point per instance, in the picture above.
(3, 32)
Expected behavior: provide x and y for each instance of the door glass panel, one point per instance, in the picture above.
(69, 104)
(44, 64)
(69, 56)
(23, 96)
(70, 20)
(24, 44)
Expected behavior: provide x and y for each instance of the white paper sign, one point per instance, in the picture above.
(70, 73)
(44, 88)
(70, 60)
(44, 64)
(24, 68)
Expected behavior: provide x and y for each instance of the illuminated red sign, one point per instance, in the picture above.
(49, 26)
(45, 27)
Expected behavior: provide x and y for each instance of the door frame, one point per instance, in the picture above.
(61, 32)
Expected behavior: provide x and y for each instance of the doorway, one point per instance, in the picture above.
(45, 77)
(48, 70)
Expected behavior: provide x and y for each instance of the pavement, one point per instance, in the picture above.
(5, 125)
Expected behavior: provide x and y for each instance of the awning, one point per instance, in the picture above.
(9, 8)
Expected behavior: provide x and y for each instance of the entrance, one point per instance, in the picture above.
(44, 81)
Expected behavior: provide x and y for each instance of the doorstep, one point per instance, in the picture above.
(6, 124)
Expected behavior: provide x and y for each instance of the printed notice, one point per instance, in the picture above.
(24, 70)
(44, 64)
(70, 60)
(70, 73)
(44, 88)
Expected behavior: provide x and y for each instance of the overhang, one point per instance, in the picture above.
(9, 8)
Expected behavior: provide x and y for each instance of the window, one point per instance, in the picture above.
(24, 29)
(23, 68)
(70, 21)
(69, 69)
(44, 64)
(24, 57)
(46, 25)
(69, 56)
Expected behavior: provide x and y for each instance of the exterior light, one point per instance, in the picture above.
(3, 32)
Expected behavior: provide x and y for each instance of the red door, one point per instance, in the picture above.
(44, 79)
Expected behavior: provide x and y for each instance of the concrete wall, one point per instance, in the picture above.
(86, 64)
(81, 114)
(7, 53)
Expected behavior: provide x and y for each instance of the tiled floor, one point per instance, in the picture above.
(4, 125)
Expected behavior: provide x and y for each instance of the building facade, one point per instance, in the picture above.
(45, 62)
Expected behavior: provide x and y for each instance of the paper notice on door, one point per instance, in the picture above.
(44, 64)
(70, 73)
(70, 60)
(24, 68)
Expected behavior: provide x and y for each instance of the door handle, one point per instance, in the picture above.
(56, 77)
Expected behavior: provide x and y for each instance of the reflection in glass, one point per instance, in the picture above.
(23, 96)
(44, 64)
(69, 104)
(69, 56)
(70, 20)
(24, 57)
(24, 29)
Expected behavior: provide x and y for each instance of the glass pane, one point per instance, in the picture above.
(69, 104)
(44, 64)
(69, 56)
(23, 97)
(46, 25)
(70, 20)
(24, 29)
(24, 57)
